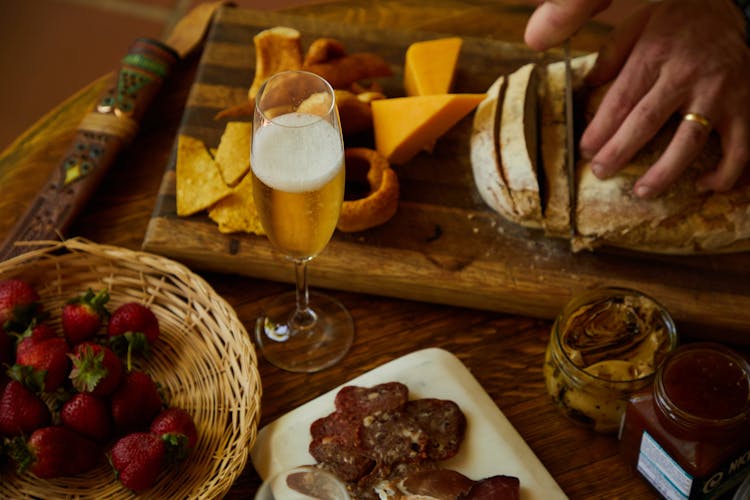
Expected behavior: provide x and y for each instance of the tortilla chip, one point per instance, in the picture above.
(236, 212)
(199, 183)
(233, 155)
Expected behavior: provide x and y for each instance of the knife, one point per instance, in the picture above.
(106, 130)
(570, 140)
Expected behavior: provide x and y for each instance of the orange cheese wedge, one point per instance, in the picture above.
(406, 125)
(430, 65)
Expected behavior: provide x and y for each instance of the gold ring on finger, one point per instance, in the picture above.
(698, 118)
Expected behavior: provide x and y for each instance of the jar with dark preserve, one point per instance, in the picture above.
(689, 436)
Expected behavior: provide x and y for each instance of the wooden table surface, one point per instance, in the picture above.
(503, 352)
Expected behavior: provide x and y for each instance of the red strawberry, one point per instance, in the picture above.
(96, 369)
(55, 451)
(88, 415)
(133, 327)
(135, 403)
(84, 315)
(176, 427)
(137, 459)
(19, 303)
(43, 365)
(21, 411)
(36, 332)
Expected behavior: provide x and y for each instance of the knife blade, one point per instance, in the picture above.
(570, 140)
(106, 130)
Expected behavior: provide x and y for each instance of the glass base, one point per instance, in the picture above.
(308, 344)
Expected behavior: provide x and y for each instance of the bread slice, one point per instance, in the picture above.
(553, 140)
(518, 144)
(485, 154)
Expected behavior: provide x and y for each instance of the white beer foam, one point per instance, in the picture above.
(300, 152)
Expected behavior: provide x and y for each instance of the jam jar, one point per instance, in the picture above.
(689, 436)
(605, 345)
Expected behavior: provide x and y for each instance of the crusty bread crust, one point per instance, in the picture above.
(485, 155)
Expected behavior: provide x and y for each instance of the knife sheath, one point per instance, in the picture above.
(103, 132)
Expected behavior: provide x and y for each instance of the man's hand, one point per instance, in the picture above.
(674, 56)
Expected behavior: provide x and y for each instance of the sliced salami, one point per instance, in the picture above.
(444, 423)
(390, 437)
(336, 424)
(371, 400)
(337, 455)
(383, 445)
(495, 488)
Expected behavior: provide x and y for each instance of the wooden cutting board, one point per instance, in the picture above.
(444, 245)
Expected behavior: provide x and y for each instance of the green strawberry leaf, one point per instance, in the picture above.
(88, 370)
(126, 344)
(95, 301)
(177, 446)
(32, 378)
(20, 453)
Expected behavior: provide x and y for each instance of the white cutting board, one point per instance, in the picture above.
(491, 446)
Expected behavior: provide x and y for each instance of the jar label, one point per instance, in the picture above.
(674, 483)
(662, 471)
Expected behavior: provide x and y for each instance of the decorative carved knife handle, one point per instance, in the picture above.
(103, 132)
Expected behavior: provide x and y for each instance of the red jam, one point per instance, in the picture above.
(692, 381)
(690, 435)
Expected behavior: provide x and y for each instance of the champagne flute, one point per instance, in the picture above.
(298, 184)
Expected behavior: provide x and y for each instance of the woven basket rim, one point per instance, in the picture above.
(204, 360)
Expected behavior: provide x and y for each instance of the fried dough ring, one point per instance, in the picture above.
(382, 200)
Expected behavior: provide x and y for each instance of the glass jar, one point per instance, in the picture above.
(605, 345)
(690, 434)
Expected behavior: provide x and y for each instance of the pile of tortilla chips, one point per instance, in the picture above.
(220, 183)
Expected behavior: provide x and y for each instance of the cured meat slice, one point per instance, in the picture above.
(385, 446)
(336, 424)
(391, 436)
(443, 422)
(341, 458)
(371, 400)
(386, 479)
(495, 488)
(440, 483)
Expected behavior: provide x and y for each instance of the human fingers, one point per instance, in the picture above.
(635, 81)
(683, 149)
(615, 50)
(556, 20)
(624, 138)
(735, 158)
(612, 57)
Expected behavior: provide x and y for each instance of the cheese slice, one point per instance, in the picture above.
(406, 125)
(430, 65)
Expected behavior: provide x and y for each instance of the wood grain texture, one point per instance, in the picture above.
(503, 351)
(444, 245)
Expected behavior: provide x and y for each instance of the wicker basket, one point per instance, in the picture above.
(203, 361)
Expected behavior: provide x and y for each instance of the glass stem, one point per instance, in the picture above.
(304, 317)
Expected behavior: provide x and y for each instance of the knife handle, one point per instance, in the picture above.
(103, 132)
